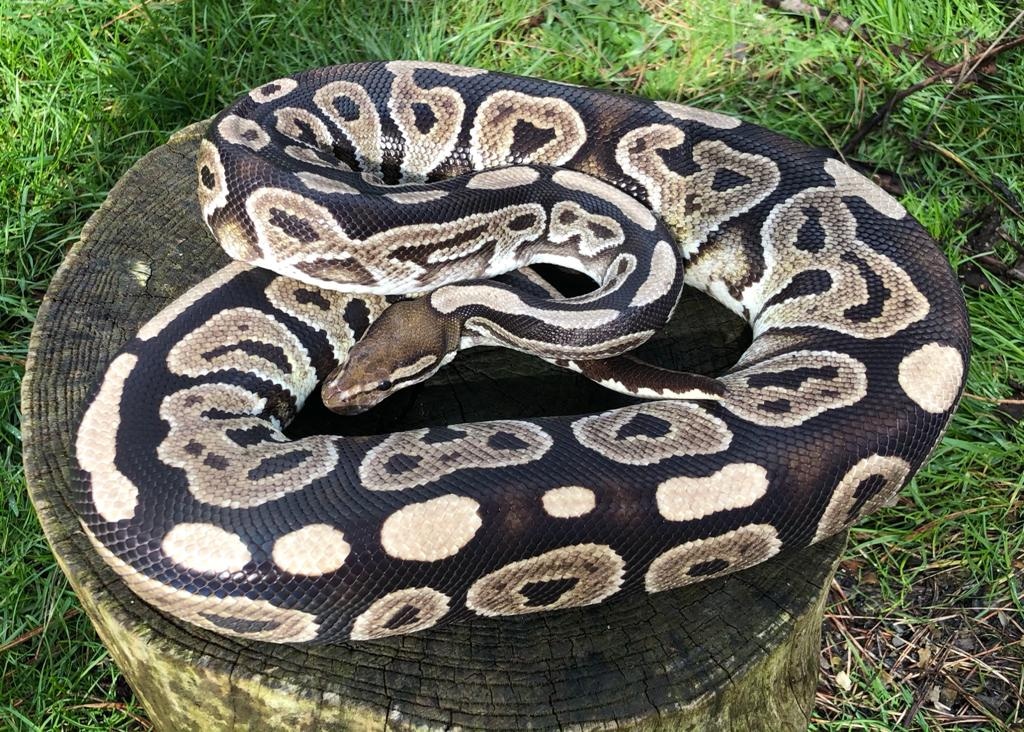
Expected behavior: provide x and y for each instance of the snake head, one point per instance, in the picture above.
(407, 344)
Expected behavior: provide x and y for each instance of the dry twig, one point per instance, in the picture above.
(955, 70)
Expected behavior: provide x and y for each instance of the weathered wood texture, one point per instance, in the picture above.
(738, 653)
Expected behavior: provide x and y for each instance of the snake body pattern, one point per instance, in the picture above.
(355, 182)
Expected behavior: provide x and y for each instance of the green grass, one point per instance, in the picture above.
(86, 87)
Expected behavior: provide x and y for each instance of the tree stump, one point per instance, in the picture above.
(739, 653)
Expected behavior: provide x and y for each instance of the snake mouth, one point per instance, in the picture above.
(350, 401)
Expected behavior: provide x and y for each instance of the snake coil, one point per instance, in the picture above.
(340, 186)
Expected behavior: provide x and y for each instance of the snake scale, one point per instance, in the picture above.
(341, 188)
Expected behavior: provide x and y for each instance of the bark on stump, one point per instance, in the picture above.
(737, 653)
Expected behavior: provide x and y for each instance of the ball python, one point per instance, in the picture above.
(343, 190)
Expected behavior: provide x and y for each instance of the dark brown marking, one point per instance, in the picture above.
(267, 351)
(346, 108)
(344, 153)
(702, 569)
(878, 293)
(277, 464)
(566, 217)
(808, 282)
(311, 297)
(401, 463)
(865, 491)
(527, 139)
(405, 615)
(726, 179)
(542, 593)
(601, 232)
(420, 254)
(777, 406)
(437, 435)
(249, 436)
(306, 133)
(811, 235)
(207, 176)
(506, 441)
(691, 203)
(423, 117)
(792, 378)
(357, 317)
(643, 425)
(336, 270)
(523, 222)
(217, 462)
(294, 226)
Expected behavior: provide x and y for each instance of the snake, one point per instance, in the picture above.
(381, 217)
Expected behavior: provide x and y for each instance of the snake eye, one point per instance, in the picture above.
(384, 385)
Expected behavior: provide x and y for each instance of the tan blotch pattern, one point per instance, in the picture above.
(277, 214)
(234, 616)
(688, 203)
(722, 267)
(931, 376)
(693, 114)
(211, 171)
(843, 256)
(408, 459)
(205, 548)
(361, 127)
(851, 183)
(739, 485)
(569, 501)
(223, 473)
(245, 132)
(431, 530)
(323, 184)
(314, 157)
(322, 309)
(221, 343)
(493, 134)
(449, 299)
(645, 434)
(404, 611)
(439, 111)
(401, 259)
(659, 280)
(771, 344)
(621, 268)
(290, 122)
(883, 475)
(272, 90)
(703, 559)
(789, 389)
(590, 233)
(584, 574)
(113, 494)
(502, 178)
(494, 334)
(414, 197)
(311, 551)
(632, 208)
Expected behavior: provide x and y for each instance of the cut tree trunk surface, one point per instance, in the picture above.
(735, 653)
